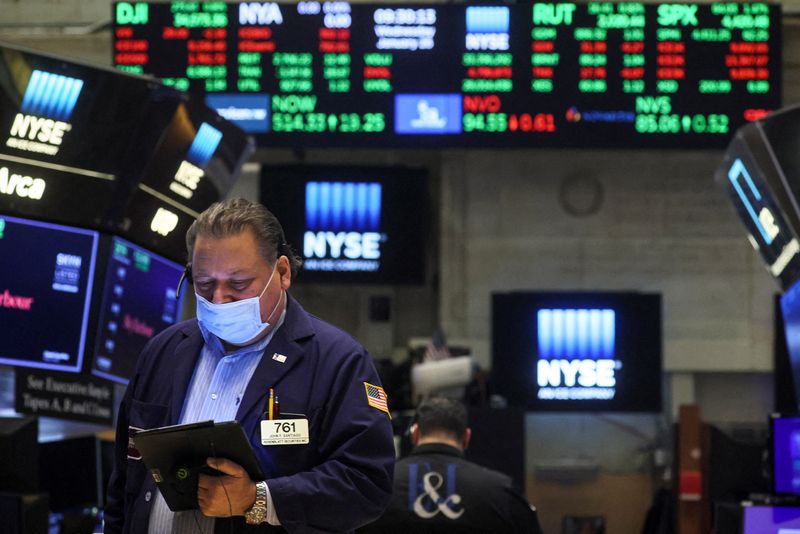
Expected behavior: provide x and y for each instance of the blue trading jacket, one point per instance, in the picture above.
(340, 480)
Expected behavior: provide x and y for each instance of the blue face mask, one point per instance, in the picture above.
(235, 322)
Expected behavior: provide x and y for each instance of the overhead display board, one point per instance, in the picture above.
(555, 74)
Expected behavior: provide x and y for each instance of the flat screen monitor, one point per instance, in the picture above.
(139, 300)
(46, 278)
(19, 454)
(526, 74)
(577, 351)
(77, 482)
(785, 452)
(771, 520)
(364, 225)
(759, 171)
(74, 135)
(195, 164)
(790, 308)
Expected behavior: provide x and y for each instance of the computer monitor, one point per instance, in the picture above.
(19, 454)
(70, 470)
(785, 453)
(365, 225)
(76, 138)
(139, 300)
(194, 165)
(725, 483)
(771, 520)
(577, 351)
(790, 308)
(46, 277)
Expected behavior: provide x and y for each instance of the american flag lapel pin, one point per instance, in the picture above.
(280, 358)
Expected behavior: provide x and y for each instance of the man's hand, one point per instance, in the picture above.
(230, 494)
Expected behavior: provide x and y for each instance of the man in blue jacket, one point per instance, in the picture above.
(251, 337)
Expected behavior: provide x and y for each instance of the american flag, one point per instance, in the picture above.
(376, 397)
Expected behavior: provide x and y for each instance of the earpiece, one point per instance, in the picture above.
(187, 275)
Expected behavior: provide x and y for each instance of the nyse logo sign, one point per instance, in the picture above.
(164, 222)
(44, 113)
(190, 172)
(576, 350)
(343, 227)
(487, 28)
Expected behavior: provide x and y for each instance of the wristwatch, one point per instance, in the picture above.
(257, 514)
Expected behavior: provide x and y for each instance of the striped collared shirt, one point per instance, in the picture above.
(215, 392)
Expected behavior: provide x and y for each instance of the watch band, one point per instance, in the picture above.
(257, 514)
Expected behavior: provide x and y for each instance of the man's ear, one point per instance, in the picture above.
(467, 437)
(284, 271)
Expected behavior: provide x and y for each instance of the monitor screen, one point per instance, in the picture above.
(596, 74)
(46, 281)
(194, 165)
(19, 454)
(785, 432)
(759, 172)
(790, 308)
(74, 135)
(577, 351)
(771, 520)
(364, 225)
(75, 483)
(138, 302)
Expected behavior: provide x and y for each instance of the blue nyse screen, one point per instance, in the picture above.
(577, 351)
(352, 224)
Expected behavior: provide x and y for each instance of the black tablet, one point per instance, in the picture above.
(176, 455)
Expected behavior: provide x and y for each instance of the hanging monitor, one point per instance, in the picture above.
(790, 310)
(139, 300)
(760, 173)
(46, 279)
(74, 139)
(195, 164)
(577, 351)
(365, 225)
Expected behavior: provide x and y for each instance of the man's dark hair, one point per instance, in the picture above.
(233, 216)
(441, 415)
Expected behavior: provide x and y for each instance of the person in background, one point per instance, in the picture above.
(251, 338)
(436, 490)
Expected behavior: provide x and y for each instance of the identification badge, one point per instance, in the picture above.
(284, 432)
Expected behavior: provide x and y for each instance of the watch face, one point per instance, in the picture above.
(256, 515)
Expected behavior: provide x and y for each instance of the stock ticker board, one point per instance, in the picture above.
(596, 74)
